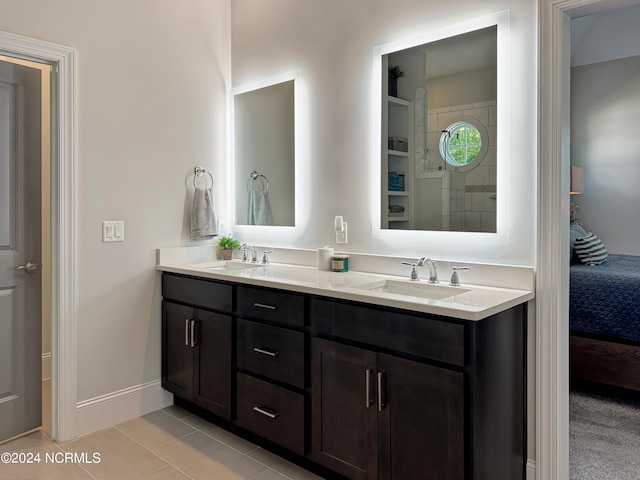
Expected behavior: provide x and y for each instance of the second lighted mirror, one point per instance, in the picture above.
(439, 135)
(264, 155)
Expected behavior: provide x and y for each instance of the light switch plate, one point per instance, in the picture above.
(222, 227)
(113, 231)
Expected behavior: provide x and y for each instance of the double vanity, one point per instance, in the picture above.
(354, 375)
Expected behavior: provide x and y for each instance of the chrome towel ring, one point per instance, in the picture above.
(265, 181)
(199, 171)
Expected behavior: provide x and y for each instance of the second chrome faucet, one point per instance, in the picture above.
(433, 271)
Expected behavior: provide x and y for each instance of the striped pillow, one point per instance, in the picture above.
(590, 250)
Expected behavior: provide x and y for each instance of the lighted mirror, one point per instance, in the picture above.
(439, 134)
(264, 154)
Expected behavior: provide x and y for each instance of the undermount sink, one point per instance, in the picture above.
(229, 265)
(413, 289)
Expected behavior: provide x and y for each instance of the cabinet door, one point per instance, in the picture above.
(213, 363)
(421, 421)
(344, 415)
(177, 354)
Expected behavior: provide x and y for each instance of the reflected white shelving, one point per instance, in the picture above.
(397, 124)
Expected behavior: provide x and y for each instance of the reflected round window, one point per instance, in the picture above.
(461, 144)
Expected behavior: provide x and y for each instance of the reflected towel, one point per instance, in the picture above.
(260, 209)
(203, 219)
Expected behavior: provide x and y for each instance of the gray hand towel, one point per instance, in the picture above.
(203, 219)
(260, 209)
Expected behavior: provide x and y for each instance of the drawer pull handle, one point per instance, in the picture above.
(367, 387)
(264, 305)
(193, 334)
(381, 395)
(265, 351)
(266, 412)
(187, 322)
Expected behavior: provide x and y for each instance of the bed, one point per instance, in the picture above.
(604, 317)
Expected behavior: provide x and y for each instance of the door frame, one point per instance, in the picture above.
(552, 277)
(63, 220)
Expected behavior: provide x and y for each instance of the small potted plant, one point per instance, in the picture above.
(227, 245)
(394, 74)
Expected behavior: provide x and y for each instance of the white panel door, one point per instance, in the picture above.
(20, 234)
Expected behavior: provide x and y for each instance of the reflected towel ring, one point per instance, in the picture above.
(254, 176)
(199, 171)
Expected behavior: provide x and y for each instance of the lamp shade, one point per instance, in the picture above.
(577, 180)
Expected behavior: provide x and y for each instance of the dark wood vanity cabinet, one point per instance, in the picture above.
(344, 429)
(407, 397)
(379, 416)
(364, 391)
(271, 361)
(197, 343)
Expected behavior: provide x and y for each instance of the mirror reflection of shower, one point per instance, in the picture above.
(439, 135)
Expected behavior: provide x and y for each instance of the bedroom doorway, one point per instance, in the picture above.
(552, 277)
(605, 63)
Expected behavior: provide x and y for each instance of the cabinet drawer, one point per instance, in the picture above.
(276, 306)
(271, 412)
(274, 352)
(412, 334)
(199, 293)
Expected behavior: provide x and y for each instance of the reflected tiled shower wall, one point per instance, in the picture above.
(469, 204)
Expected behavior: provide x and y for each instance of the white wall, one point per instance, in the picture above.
(460, 88)
(331, 42)
(608, 35)
(605, 98)
(151, 79)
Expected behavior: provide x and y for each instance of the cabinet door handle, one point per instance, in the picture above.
(381, 396)
(266, 412)
(187, 323)
(266, 351)
(193, 334)
(367, 387)
(264, 305)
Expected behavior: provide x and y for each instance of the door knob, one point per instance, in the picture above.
(30, 267)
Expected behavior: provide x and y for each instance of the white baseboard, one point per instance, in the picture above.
(531, 470)
(46, 366)
(117, 407)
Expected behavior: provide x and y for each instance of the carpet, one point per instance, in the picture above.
(604, 437)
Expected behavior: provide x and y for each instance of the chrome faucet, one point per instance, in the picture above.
(414, 276)
(455, 279)
(433, 271)
(265, 256)
(254, 253)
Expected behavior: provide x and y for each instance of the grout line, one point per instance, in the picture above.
(252, 450)
(245, 454)
(273, 470)
(268, 467)
(207, 434)
(175, 468)
(154, 453)
(55, 445)
(87, 471)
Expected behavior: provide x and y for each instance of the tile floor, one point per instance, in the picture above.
(169, 444)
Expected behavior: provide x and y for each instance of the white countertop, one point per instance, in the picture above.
(473, 303)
